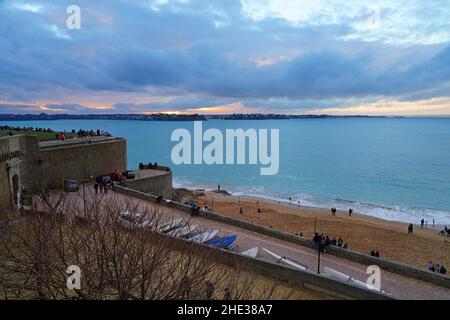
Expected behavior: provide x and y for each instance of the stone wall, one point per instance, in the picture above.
(5, 195)
(295, 278)
(49, 165)
(12, 165)
(396, 267)
(157, 184)
(56, 164)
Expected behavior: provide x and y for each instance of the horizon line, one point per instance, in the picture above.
(220, 115)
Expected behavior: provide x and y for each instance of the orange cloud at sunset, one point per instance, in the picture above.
(431, 107)
(235, 107)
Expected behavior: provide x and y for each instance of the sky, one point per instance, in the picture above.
(226, 56)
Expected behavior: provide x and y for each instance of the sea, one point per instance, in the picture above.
(391, 168)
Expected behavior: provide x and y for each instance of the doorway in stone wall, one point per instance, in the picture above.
(15, 186)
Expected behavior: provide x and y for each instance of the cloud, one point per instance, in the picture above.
(274, 56)
(397, 22)
(432, 107)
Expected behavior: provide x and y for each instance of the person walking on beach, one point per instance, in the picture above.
(410, 228)
(421, 223)
(350, 212)
(218, 187)
(241, 210)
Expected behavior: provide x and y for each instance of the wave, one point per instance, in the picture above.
(386, 212)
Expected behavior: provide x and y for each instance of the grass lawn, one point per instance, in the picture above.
(43, 136)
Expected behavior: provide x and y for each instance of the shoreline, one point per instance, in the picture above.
(321, 210)
(389, 213)
(318, 210)
(362, 232)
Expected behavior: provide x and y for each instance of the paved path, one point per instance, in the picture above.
(399, 286)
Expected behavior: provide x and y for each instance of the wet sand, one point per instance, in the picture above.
(362, 233)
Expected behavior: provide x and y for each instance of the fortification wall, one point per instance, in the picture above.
(5, 195)
(158, 184)
(56, 164)
(13, 155)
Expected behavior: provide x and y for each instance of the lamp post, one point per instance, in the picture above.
(84, 194)
(318, 258)
(315, 225)
(84, 199)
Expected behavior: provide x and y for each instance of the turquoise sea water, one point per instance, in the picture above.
(393, 168)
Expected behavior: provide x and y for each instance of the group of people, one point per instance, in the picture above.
(375, 253)
(82, 134)
(195, 209)
(150, 165)
(424, 222)
(100, 186)
(321, 241)
(436, 268)
(445, 232)
(186, 288)
(11, 128)
(334, 210)
(90, 133)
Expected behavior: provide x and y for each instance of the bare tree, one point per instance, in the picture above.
(119, 258)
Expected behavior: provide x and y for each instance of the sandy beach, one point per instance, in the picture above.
(362, 233)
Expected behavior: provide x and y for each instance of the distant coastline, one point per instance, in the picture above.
(169, 117)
